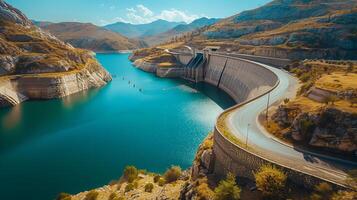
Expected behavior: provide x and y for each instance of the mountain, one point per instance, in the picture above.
(89, 36)
(198, 23)
(294, 29)
(38, 65)
(142, 30)
(179, 30)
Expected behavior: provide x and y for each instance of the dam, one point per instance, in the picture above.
(255, 83)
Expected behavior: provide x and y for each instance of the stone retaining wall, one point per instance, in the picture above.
(229, 157)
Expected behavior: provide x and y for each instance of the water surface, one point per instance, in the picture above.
(85, 140)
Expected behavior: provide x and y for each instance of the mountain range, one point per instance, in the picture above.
(179, 30)
(142, 30)
(90, 36)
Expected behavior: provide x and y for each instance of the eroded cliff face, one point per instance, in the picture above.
(35, 64)
(329, 129)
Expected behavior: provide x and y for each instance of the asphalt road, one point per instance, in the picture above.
(244, 121)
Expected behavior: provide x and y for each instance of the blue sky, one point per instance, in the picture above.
(103, 12)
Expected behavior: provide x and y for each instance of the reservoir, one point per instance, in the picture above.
(85, 140)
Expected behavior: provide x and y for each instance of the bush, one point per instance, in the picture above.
(130, 173)
(203, 191)
(91, 195)
(270, 181)
(286, 100)
(114, 196)
(64, 196)
(129, 187)
(161, 182)
(322, 191)
(344, 195)
(156, 178)
(227, 189)
(172, 174)
(136, 184)
(149, 187)
(305, 77)
(307, 126)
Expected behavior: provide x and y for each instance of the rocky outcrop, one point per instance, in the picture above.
(146, 66)
(11, 14)
(329, 128)
(37, 65)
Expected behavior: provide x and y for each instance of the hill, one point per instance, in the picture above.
(295, 29)
(179, 30)
(89, 36)
(142, 30)
(38, 65)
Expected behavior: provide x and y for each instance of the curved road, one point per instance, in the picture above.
(244, 121)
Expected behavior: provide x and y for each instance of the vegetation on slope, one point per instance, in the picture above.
(323, 115)
(26, 49)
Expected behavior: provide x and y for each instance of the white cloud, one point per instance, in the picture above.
(144, 10)
(141, 15)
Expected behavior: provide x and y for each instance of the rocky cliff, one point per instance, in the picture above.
(38, 65)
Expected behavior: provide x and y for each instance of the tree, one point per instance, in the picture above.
(227, 189)
(130, 173)
(270, 181)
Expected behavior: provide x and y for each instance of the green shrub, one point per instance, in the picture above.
(305, 77)
(130, 173)
(92, 195)
(114, 196)
(227, 189)
(270, 181)
(156, 178)
(305, 87)
(64, 196)
(307, 126)
(172, 174)
(286, 100)
(161, 182)
(129, 187)
(149, 187)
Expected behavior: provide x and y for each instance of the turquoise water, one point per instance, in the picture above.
(85, 140)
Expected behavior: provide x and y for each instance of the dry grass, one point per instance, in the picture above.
(337, 81)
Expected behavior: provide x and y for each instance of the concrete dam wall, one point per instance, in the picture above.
(241, 79)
